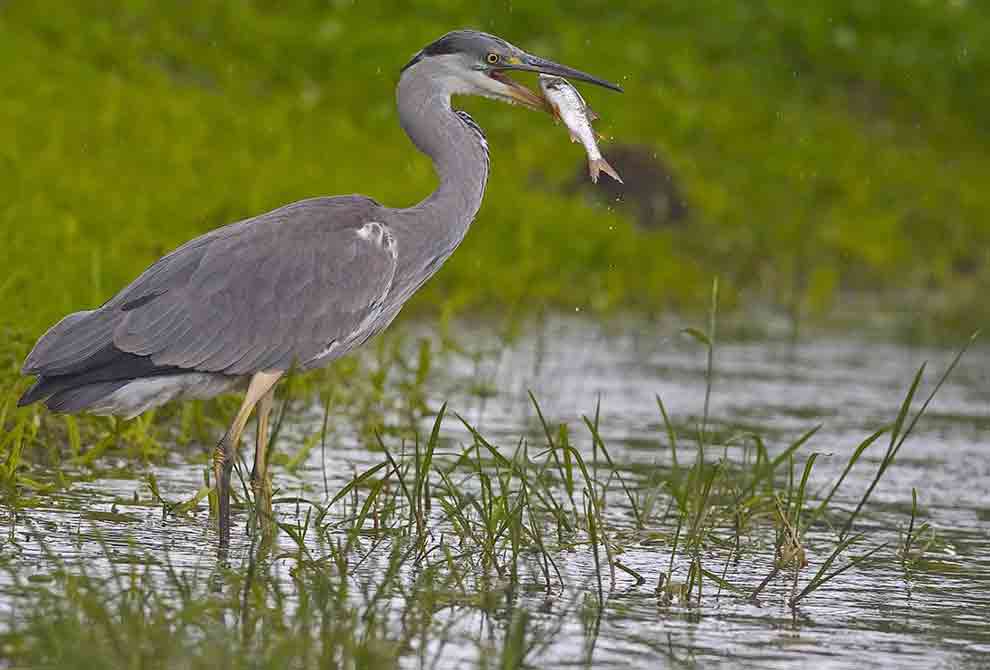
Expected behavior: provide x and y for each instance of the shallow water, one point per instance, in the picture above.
(933, 615)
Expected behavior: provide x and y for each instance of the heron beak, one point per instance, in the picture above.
(519, 93)
(528, 63)
(543, 66)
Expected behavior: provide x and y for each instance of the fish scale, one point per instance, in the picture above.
(570, 107)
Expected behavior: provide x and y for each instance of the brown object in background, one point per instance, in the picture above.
(650, 188)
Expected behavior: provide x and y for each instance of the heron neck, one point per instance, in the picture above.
(460, 158)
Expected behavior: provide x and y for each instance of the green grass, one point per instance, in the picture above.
(824, 150)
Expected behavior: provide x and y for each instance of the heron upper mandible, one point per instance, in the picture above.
(297, 287)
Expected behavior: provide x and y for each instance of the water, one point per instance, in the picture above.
(932, 615)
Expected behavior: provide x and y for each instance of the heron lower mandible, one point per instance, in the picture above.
(297, 287)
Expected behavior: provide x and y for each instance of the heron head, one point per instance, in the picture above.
(469, 62)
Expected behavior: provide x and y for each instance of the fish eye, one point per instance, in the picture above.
(492, 58)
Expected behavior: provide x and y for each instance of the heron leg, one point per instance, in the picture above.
(226, 451)
(261, 482)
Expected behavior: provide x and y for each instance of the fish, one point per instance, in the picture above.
(567, 105)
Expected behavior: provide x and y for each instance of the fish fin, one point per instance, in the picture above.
(602, 165)
(592, 114)
(594, 167)
(573, 138)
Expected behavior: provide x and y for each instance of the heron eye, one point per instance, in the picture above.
(492, 58)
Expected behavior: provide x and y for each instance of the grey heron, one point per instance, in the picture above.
(297, 287)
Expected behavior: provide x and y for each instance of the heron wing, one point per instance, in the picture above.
(265, 293)
(84, 340)
(269, 295)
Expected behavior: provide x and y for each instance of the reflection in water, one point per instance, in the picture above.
(934, 614)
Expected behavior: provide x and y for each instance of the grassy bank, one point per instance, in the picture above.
(821, 150)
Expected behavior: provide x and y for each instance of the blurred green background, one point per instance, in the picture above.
(827, 151)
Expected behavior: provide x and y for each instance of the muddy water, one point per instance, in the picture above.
(934, 615)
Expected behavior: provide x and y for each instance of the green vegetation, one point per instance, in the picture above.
(824, 150)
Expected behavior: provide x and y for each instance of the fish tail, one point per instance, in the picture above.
(601, 165)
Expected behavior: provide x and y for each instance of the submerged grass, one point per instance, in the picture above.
(444, 542)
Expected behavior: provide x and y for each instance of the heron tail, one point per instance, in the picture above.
(70, 399)
(35, 393)
(104, 372)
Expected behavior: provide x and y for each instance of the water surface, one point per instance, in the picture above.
(933, 614)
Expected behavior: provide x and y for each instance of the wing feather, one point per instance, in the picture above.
(271, 296)
(260, 294)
